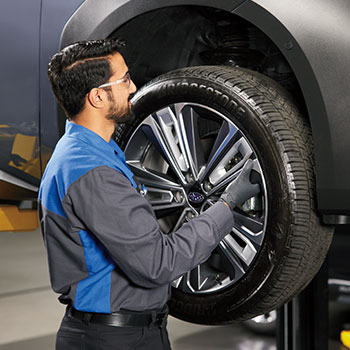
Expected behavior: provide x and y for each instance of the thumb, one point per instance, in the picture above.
(247, 167)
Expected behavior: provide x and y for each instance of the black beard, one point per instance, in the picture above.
(127, 117)
(114, 114)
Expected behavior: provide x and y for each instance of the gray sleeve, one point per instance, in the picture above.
(124, 222)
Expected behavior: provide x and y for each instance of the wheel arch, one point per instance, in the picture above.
(95, 19)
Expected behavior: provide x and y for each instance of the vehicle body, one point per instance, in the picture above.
(315, 53)
(285, 42)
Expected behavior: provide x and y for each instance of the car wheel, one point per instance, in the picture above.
(195, 129)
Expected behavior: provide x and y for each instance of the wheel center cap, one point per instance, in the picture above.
(195, 198)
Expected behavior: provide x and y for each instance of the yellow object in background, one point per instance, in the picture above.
(26, 147)
(14, 219)
(25, 155)
(345, 338)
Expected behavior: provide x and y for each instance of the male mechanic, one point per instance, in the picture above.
(108, 258)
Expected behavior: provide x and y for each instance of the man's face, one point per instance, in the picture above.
(119, 95)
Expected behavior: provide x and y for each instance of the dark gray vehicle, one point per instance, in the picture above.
(220, 82)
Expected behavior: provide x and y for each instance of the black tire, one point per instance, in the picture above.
(295, 241)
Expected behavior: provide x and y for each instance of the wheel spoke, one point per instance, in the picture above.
(185, 285)
(160, 134)
(232, 265)
(186, 215)
(151, 178)
(177, 282)
(251, 228)
(244, 249)
(191, 144)
(161, 199)
(191, 281)
(233, 160)
(171, 129)
(195, 278)
(231, 175)
(162, 193)
(223, 140)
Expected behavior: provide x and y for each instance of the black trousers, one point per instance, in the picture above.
(76, 335)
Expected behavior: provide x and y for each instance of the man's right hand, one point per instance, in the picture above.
(240, 189)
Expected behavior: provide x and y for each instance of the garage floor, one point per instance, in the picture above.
(30, 312)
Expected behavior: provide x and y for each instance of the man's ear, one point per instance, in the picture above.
(96, 98)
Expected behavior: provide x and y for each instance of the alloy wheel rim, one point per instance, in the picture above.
(186, 154)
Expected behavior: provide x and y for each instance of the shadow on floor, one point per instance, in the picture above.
(41, 343)
(231, 337)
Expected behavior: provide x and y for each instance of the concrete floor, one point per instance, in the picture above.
(31, 314)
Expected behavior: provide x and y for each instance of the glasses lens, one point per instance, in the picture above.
(127, 79)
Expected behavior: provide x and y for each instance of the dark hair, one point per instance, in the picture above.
(78, 68)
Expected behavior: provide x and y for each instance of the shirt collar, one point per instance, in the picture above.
(82, 133)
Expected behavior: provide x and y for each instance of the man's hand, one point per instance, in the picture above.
(240, 189)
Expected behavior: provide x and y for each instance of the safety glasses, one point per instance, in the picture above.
(126, 79)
